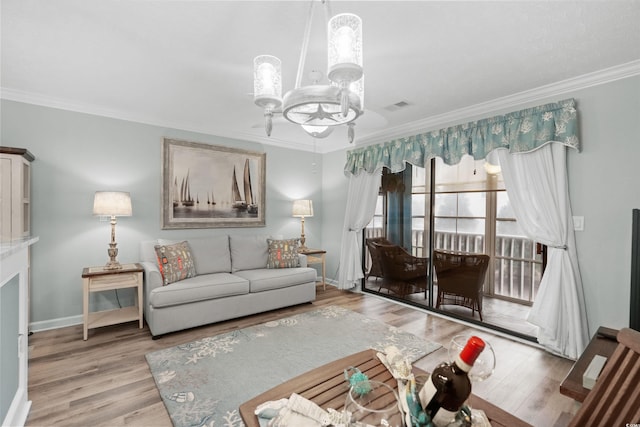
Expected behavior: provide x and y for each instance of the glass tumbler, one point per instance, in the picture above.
(373, 403)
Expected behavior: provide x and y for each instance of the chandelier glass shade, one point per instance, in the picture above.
(345, 54)
(317, 107)
(267, 81)
(267, 86)
(318, 131)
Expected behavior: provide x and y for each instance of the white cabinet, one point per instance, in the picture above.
(15, 193)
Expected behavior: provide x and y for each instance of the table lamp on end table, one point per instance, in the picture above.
(113, 204)
(302, 209)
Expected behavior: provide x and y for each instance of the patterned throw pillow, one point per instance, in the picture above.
(283, 253)
(175, 262)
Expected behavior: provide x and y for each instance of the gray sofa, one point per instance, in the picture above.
(232, 281)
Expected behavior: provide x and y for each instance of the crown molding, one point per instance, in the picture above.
(63, 104)
(516, 100)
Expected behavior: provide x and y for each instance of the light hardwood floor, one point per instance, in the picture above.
(106, 381)
(497, 312)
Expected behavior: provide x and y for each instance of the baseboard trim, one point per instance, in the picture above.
(61, 322)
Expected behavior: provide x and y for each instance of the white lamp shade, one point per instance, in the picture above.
(302, 208)
(112, 203)
(267, 81)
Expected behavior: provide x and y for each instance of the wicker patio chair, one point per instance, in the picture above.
(402, 273)
(376, 267)
(615, 398)
(460, 277)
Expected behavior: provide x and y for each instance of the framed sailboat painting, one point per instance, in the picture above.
(209, 186)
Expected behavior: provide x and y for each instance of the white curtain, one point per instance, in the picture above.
(537, 186)
(361, 205)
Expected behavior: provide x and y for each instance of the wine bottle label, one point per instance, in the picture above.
(442, 417)
(428, 391)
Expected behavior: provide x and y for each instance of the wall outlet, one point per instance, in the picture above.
(578, 223)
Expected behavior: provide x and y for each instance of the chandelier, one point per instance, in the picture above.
(318, 108)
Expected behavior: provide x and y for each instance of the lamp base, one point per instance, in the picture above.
(113, 265)
(302, 246)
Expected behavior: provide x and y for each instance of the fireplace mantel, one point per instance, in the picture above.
(14, 330)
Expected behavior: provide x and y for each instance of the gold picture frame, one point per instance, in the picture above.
(210, 186)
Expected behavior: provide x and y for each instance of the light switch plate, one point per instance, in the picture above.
(578, 223)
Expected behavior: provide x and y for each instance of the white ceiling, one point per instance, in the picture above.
(188, 64)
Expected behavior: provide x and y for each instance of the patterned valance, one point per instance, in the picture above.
(519, 131)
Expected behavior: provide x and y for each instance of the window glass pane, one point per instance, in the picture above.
(472, 204)
(471, 226)
(445, 173)
(379, 206)
(503, 206)
(377, 222)
(445, 225)
(418, 180)
(468, 172)
(446, 205)
(508, 228)
(417, 204)
(417, 223)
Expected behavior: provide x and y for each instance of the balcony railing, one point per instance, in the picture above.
(516, 268)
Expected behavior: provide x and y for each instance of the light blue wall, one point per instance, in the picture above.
(604, 182)
(78, 154)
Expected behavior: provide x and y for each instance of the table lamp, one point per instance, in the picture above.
(113, 204)
(302, 209)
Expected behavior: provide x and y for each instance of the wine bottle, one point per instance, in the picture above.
(449, 385)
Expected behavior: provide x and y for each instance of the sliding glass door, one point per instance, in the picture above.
(461, 209)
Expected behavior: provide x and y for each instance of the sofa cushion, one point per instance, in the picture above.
(199, 288)
(264, 279)
(211, 254)
(283, 253)
(248, 252)
(175, 262)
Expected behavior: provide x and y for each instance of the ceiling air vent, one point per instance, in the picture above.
(397, 106)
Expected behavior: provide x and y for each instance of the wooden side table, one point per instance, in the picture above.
(603, 343)
(97, 279)
(316, 256)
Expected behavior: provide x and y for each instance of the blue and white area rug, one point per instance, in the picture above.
(203, 383)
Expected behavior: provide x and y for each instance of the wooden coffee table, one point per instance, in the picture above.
(327, 387)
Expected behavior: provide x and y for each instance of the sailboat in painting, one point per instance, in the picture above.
(247, 202)
(252, 207)
(185, 192)
(175, 194)
(238, 202)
